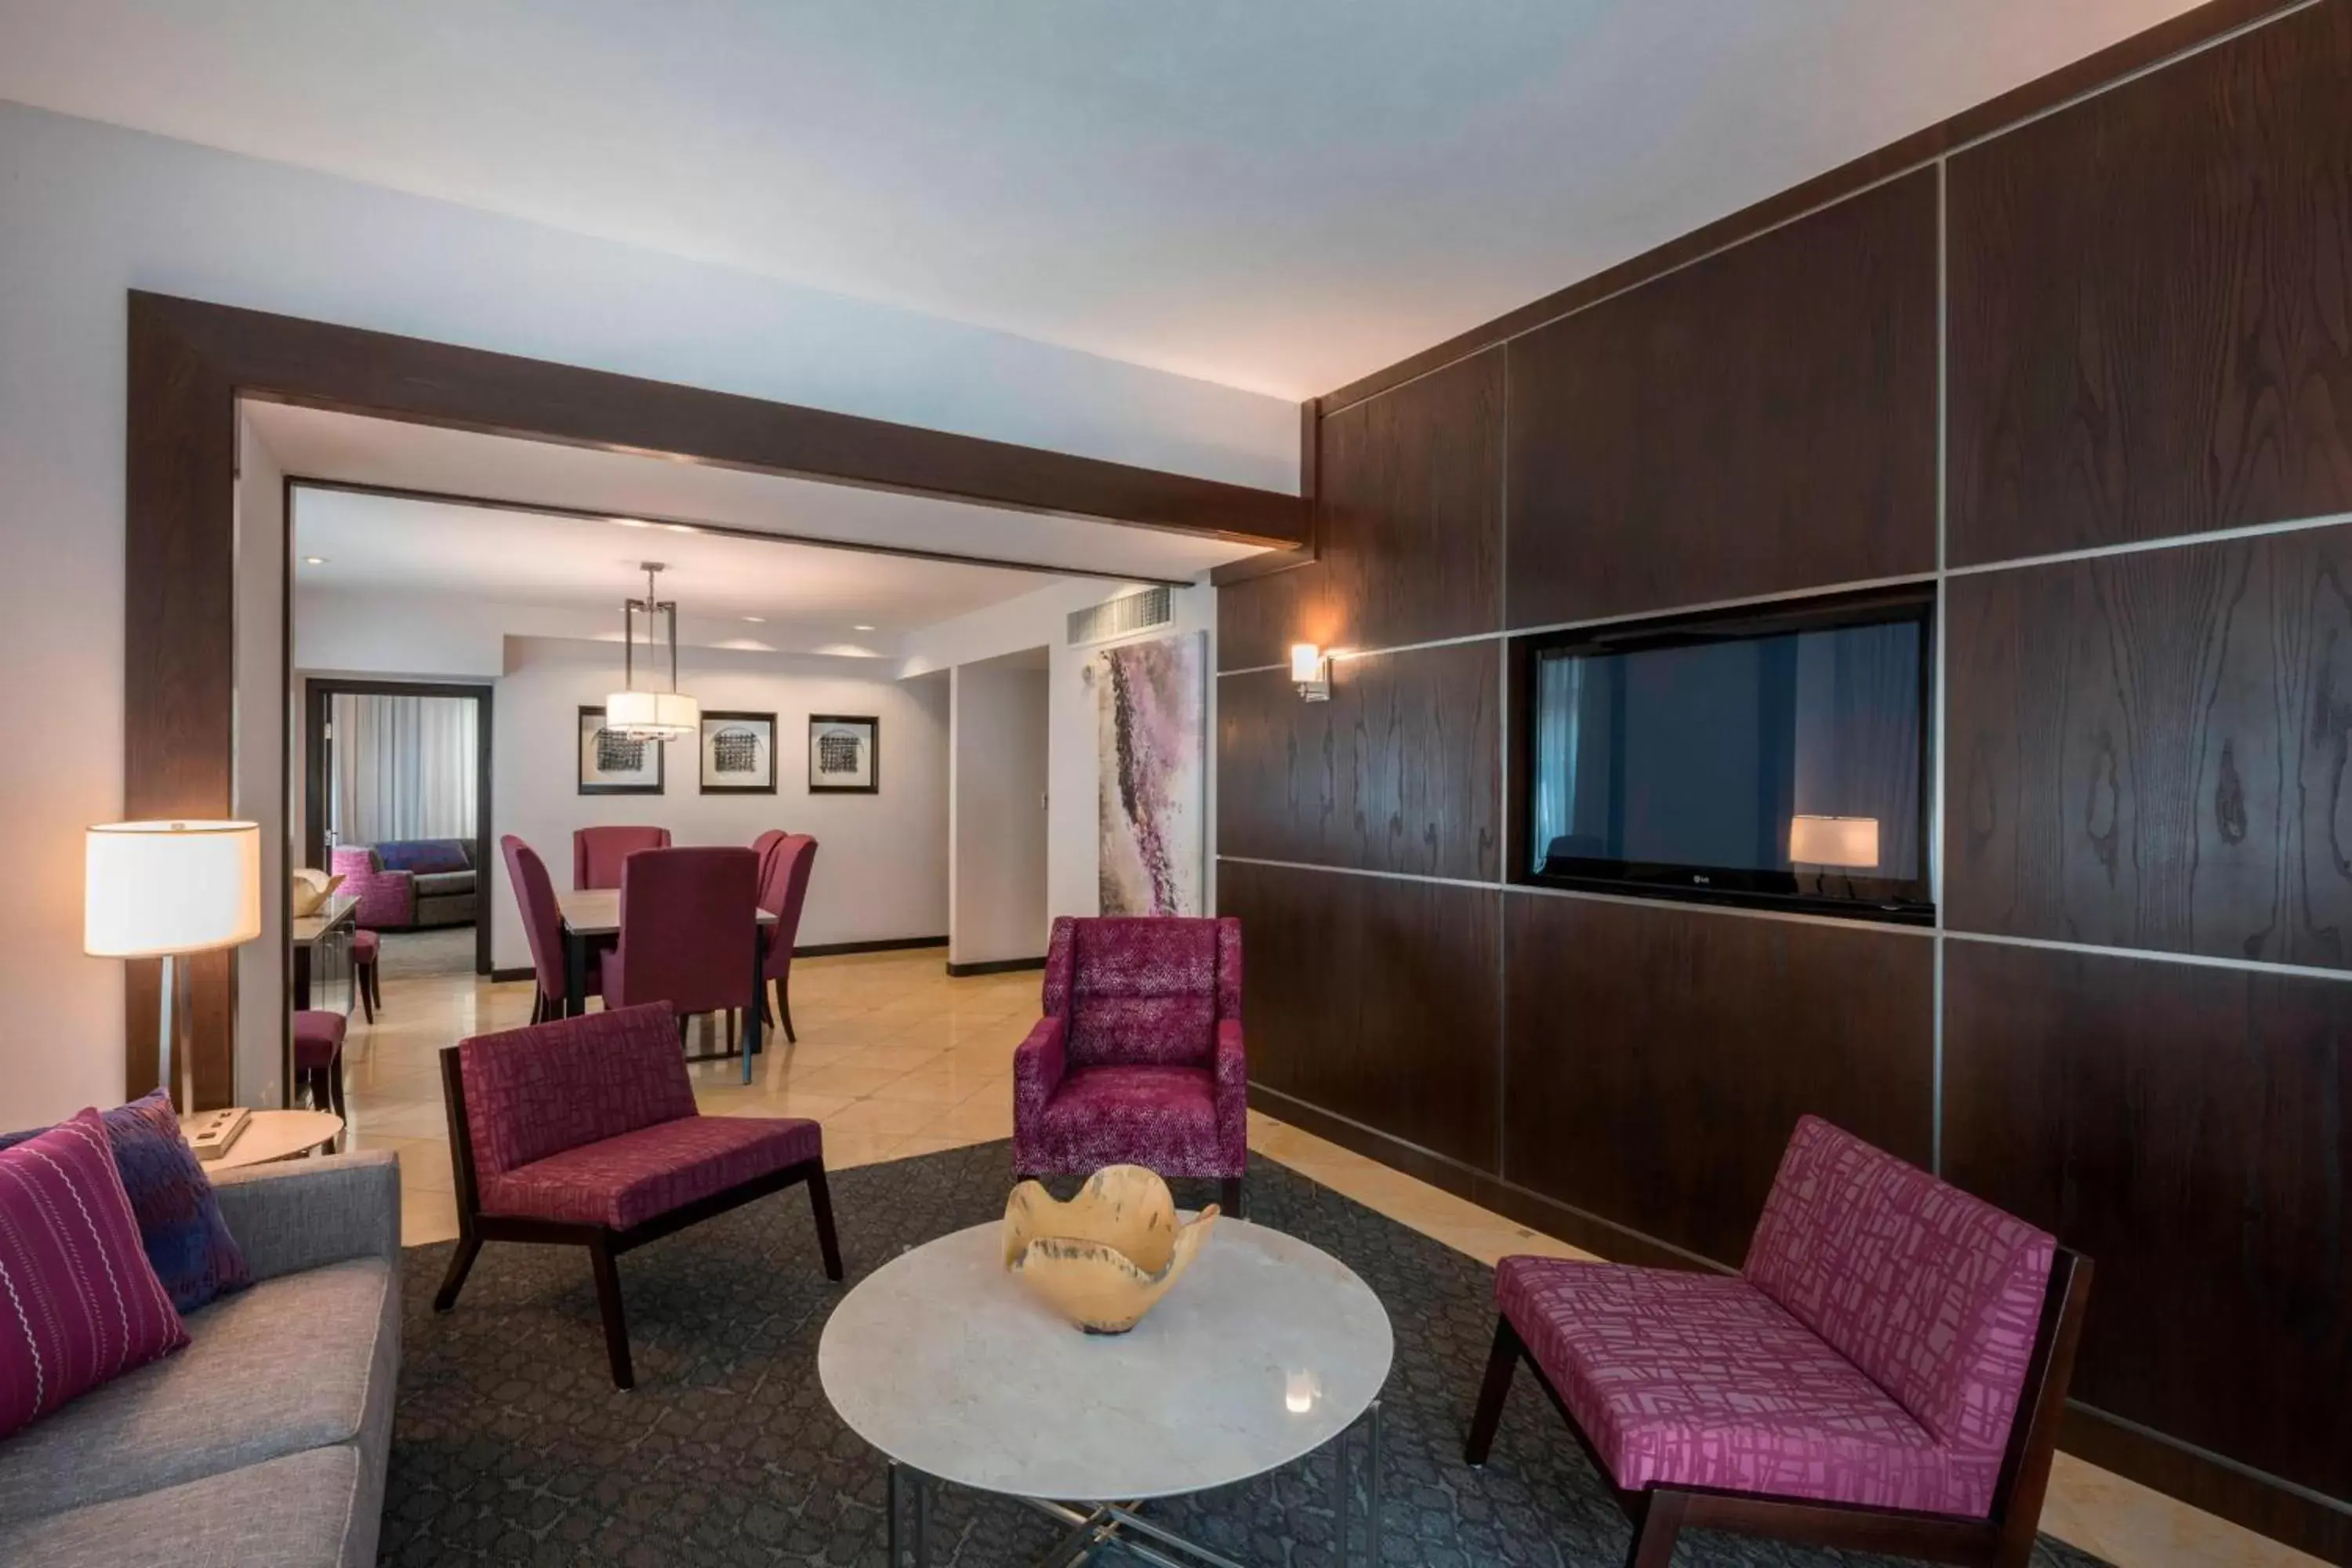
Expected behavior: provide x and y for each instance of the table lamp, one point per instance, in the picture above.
(164, 890)
(1823, 842)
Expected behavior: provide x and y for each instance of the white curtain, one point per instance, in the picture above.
(402, 767)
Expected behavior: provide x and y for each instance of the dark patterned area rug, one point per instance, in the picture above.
(512, 1446)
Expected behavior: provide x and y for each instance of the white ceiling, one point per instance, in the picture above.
(355, 449)
(1280, 196)
(807, 598)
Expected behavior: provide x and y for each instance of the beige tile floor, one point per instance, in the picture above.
(896, 1059)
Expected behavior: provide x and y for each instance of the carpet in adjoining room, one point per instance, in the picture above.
(511, 1445)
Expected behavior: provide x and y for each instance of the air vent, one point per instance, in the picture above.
(1122, 617)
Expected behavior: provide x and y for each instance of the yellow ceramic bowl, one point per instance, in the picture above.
(1105, 1257)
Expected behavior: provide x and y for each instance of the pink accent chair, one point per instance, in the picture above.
(687, 925)
(387, 898)
(542, 927)
(598, 853)
(1138, 1058)
(584, 1132)
(1885, 1374)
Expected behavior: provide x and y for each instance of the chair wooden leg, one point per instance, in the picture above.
(1229, 1197)
(821, 1208)
(376, 984)
(734, 1026)
(1655, 1532)
(784, 1005)
(335, 1083)
(461, 1263)
(360, 984)
(1501, 1362)
(608, 1299)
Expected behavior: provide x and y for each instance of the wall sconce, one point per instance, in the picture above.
(1310, 671)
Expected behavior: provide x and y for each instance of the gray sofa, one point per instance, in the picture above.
(263, 1443)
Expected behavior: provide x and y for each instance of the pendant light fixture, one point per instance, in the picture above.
(669, 715)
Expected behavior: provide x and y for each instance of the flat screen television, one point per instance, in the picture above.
(1775, 757)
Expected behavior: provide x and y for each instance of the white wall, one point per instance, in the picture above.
(88, 211)
(259, 1052)
(1073, 821)
(881, 864)
(996, 809)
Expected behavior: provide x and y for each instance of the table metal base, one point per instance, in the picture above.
(1112, 1528)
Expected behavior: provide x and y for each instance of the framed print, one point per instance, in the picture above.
(842, 758)
(739, 752)
(612, 764)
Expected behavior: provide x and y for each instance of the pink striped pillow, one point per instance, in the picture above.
(79, 1303)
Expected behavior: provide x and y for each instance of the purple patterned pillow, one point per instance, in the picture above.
(180, 1225)
(80, 1306)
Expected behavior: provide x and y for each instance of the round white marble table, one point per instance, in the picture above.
(1265, 1350)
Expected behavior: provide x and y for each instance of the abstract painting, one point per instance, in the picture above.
(612, 764)
(739, 752)
(1150, 747)
(843, 753)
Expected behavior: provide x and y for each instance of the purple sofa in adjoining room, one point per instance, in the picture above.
(1138, 1058)
(1887, 1374)
(410, 882)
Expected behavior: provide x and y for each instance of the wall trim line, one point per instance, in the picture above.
(1362, 871)
(2156, 956)
(2169, 542)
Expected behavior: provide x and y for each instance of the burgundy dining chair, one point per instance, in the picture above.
(598, 853)
(542, 927)
(784, 891)
(686, 919)
(765, 846)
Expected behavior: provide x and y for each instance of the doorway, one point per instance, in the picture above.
(402, 769)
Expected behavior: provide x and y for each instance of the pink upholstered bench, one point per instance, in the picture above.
(584, 1133)
(1885, 1374)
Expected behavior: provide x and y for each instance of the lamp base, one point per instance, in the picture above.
(211, 1133)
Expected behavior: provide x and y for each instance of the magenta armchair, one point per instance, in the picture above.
(387, 898)
(584, 1133)
(1138, 1058)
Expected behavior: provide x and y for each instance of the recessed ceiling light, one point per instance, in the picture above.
(861, 628)
(681, 528)
(633, 522)
(757, 620)
(314, 561)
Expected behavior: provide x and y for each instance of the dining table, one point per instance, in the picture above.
(592, 920)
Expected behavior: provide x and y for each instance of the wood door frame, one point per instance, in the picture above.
(189, 362)
(318, 691)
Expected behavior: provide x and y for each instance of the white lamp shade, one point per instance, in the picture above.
(155, 888)
(653, 715)
(1847, 841)
(1306, 662)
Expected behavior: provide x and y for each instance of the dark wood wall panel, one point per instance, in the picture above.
(2186, 1127)
(1399, 771)
(1374, 998)
(1409, 528)
(2147, 749)
(1657, 1057)
(2149, 327)
(1759, 422)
